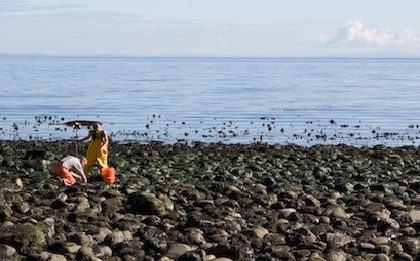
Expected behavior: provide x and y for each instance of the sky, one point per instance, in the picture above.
(263, 28)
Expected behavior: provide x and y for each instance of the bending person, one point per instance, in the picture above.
(98, 148)
(68, 169)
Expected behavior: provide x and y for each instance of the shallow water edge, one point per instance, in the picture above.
(262, 130)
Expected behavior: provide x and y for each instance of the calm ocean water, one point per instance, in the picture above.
(231, 100)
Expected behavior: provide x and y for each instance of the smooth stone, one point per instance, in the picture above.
(260, 231)
(381, 257)
(7, 250)
(18, 182)
(380, 240)
(57, 257)
(177, 250)
(415, 215)
(336, 255)
(366, 246)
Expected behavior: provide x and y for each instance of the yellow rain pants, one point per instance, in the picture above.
(95, 154)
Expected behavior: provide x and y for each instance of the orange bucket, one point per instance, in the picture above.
(108, 175)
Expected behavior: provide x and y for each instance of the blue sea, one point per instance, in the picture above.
(303, 101)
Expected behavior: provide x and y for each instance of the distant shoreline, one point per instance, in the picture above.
(348, 56)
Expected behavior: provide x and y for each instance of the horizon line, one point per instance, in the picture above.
(382, 55)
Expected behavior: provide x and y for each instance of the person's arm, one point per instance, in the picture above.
(78, 171)
(82, 176)
(87, 137)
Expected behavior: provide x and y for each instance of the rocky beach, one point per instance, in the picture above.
(213, 201)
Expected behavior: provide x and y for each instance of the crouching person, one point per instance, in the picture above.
(69, 169)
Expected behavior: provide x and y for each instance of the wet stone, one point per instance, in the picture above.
(214, 202)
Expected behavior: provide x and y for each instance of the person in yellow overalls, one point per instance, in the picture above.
(98, 148)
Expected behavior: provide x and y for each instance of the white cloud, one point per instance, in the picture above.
(355, 33)
(407, 36)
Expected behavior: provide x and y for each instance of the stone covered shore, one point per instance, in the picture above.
(213, 201)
